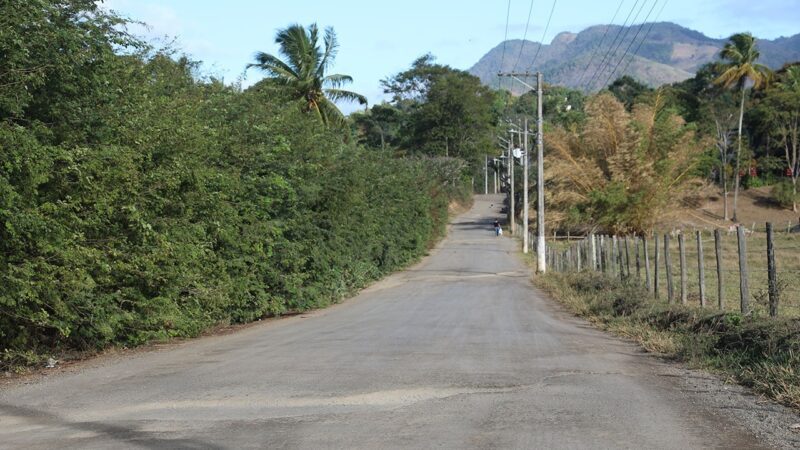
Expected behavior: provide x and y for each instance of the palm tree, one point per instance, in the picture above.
(791, 78)
(741, 54)
(302, 71)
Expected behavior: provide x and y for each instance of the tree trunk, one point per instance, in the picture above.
(738, 157)
(724, 173)
(722, 146)
(725, 197)
(793, 161)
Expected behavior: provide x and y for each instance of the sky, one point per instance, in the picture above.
(381, 38)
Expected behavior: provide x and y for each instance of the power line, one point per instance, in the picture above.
(541, 42)
(524, 36)
(649, 29)
(630, 44)
(505, 39)
(594, 53)
(622, 41)
(608, 53)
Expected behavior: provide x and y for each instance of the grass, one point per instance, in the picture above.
(758, 352)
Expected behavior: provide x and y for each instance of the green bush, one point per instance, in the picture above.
(783, 193)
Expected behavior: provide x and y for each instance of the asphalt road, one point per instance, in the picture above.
(460, 351)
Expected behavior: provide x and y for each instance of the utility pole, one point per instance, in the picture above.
(485, 174)
(540, 244)
(525, 190)
(510, 161)
(494, 178)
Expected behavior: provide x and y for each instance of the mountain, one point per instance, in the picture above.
(654, 53)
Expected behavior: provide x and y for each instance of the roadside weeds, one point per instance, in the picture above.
(760, 353)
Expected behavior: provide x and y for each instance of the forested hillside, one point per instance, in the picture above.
(140, 200)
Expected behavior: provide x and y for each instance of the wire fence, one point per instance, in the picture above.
(754, 272)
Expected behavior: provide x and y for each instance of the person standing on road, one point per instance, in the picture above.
(497, 229)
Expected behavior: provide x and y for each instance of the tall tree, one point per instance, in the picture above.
(450, 113)
(741, 53)
(302, 70)
(456, 120)
(379, 126)
(777, 114)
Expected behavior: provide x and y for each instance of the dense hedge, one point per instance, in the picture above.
(138, 202)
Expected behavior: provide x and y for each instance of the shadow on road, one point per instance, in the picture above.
(116, 433)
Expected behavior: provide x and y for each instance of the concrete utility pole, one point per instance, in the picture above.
(540, 244)
(525, 190)
(494, 178)
(486, 174)
(512, 226)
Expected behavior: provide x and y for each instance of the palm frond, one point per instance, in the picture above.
(331, 49)
(273, 66)
(298, 48)
(730, 77)
(340, 94)
(336, 81)
(330, 114)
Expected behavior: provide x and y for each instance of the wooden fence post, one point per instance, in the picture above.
(772, 274)
(720, 283)
(604, 253)
(646, 263)
(744, 289)
(682, 252)
(655, 266)
(638, 260)
(620, 262)
(556, 262)
(614, 251)
(668, 266)
(593, 246)
(627, 258)
(579, 250)
(601, 253)
(701, 271)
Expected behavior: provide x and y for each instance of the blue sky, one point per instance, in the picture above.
(379, 38)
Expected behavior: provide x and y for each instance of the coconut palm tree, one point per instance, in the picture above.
(790, 81)
(741, 53)
(302, 71)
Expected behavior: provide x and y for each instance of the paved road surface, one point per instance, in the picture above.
(458, 352)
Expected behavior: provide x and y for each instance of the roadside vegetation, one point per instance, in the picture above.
(756, 351)
(141, 200)
(627, 160)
